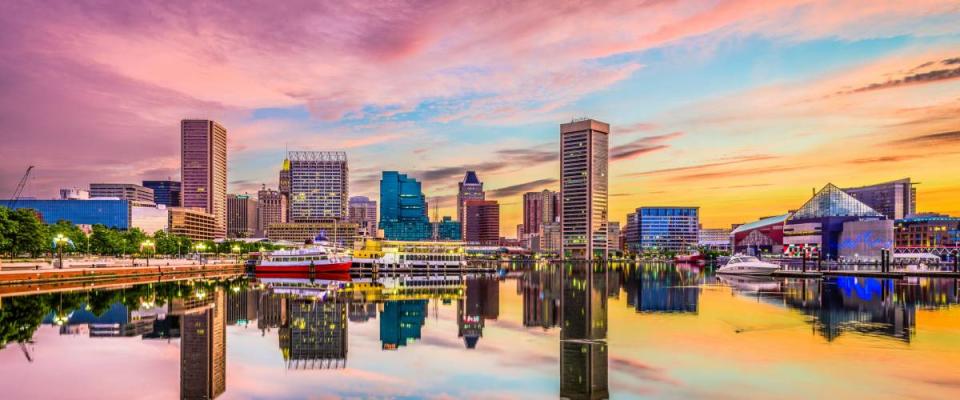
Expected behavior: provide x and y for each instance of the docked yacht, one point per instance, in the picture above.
(747, 265)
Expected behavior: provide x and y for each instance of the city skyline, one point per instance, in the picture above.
(722, 106)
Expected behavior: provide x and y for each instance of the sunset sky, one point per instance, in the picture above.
(739, 107)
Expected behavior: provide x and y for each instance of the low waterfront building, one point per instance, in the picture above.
(762, 236)
(668, 229)
(193, 223)
(124, 191)
(112, 213)
(927, 231)
(715, 239)
(814, 230)
(343, 234)
(865, 240)
(552, 238)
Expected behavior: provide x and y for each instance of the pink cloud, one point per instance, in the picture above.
(97, 90)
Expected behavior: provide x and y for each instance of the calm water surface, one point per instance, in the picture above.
(649, 331)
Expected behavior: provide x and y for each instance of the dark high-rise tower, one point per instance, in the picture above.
(470, 188)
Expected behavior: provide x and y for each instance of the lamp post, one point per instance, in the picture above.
(200, 248)
(147, 244)
(60, 240)
(236, 250)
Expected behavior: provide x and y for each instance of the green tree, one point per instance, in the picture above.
(28, 233)
(6, 230)
(132, 239)
(105, 241)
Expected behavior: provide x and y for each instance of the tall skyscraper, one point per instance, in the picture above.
(583, 186)
(470, 189)
(403, 208)
(895, 199)
(203, 169)
(319, 185)
(482, 221)
(363, 212)
(241, 216)
(165, 192)
(271, 209)
(123, 191)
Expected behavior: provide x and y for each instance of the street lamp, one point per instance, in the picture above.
(236, 249)
(60, 240)
(145, 244)
(200, 248)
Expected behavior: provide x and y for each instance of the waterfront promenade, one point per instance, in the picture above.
(20, 276)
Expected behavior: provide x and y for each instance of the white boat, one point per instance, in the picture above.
(747, 265)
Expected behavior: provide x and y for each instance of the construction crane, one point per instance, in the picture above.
(16, 194)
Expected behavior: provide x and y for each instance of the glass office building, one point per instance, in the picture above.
(110, 213)
(165, 192)
(403, 208)
(670, 229)
(447, 229)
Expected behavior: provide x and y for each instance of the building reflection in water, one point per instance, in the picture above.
(400, 322)
(583, 337)
(866, 306)
(663, 289)
(540, 291)
(315, 335)
(481, 302)
(203, 343)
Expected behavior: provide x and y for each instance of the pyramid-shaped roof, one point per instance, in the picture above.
(831, 201)
(471, 178)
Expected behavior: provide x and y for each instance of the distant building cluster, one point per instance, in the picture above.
(312, 197)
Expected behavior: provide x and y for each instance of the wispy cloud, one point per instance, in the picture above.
(644, 145)
(517, 189)
(952, 137)
(711, 165)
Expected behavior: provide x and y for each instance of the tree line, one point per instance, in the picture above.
(22, 233)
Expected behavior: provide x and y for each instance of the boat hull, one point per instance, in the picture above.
(306, 268)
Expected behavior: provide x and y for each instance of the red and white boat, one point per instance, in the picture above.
(318, 258)
(692, 258)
